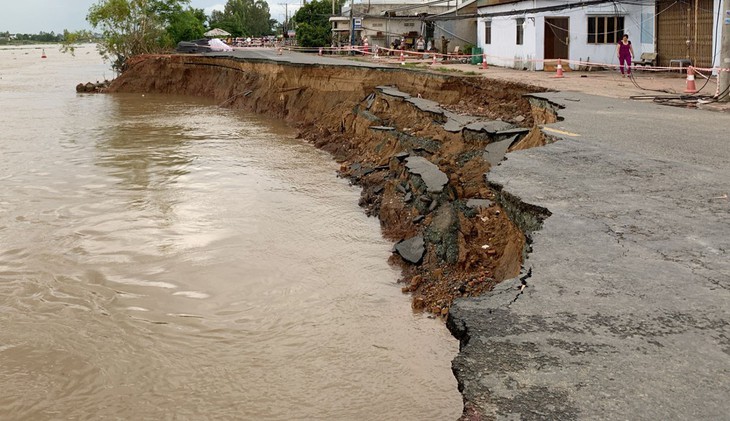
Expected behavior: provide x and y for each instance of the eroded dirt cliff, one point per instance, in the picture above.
(384, 125)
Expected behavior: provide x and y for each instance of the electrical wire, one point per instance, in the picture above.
(686, 100)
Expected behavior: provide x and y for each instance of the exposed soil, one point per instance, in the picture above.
(467, 250)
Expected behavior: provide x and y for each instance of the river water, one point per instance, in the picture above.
(164, 258)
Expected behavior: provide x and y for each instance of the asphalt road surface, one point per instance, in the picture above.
(626, 314)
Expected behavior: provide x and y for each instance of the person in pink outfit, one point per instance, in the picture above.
(625, 53)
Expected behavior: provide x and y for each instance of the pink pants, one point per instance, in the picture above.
(625, 59)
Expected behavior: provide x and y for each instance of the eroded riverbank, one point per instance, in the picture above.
(418, 143)
(376, 121)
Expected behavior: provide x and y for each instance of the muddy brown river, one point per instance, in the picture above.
(165, 258)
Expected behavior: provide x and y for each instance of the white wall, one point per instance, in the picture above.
(504, 52)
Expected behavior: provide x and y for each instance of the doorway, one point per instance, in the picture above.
(684, 31)
(557, 38)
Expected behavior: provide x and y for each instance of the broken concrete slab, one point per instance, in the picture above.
(392, 91)
(456, 122)
(494, 152)
(422, 104)
(512, 131)
(411, 249)
(432, 176)
(490, 126)
(426, 105)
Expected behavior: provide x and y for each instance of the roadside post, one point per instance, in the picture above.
(724, 73)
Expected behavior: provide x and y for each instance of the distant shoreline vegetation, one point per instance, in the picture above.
(6, 38)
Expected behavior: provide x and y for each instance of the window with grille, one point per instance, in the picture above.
(520, 38)
(488, 32)
(605, 29)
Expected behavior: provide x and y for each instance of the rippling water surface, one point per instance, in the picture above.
(164, 258)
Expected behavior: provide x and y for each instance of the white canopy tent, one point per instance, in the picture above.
(216, 32)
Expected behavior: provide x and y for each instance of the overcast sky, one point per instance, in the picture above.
(34, 16)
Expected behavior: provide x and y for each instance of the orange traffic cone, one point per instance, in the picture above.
(320, 51)
(433, 63)
(43, 54)
(402, 58)
(559, 70)
(691, 88)
(485, 66)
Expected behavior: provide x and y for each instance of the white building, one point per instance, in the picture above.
(524, 33)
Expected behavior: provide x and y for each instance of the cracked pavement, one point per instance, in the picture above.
(626, 313)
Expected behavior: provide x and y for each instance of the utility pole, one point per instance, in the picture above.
(352, 26)
(724, 75)
(286, 19)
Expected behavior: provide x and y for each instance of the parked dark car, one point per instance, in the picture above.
(193, 47)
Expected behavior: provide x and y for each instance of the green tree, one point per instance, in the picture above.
(243, 18)
(70, 39)
(313, 25)
(130, 27)
(186, 25)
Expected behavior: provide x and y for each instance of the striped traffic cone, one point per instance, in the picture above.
(559, 70)
(485, 66)
(691, 88)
